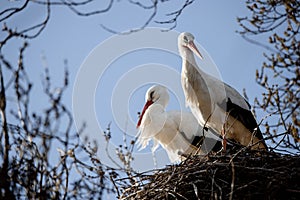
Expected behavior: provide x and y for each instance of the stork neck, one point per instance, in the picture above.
(163, 101)
(188, 56)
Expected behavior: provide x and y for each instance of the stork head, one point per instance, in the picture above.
(156, 94)
(186, 43)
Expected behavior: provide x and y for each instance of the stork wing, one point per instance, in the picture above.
(246, 118)
(194, 133)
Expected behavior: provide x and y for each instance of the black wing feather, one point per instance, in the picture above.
(245, 117)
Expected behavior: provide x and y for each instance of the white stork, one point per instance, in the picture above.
(177, 132)
(214, 103)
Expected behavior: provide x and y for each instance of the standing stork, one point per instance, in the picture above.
(214, 103)
(177, 132)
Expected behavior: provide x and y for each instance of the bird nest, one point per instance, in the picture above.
(243, 175)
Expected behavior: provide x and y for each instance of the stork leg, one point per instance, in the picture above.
(224, 141)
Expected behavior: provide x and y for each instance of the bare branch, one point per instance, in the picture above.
(279, 73)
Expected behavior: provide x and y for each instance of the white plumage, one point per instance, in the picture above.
(174, 131)
(214, 103)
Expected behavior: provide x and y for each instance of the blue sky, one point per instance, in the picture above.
(72, 38)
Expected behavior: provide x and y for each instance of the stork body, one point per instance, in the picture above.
(177, 132)
(214, 103)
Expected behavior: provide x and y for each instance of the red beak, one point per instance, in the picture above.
(193, 47)
(147, 104)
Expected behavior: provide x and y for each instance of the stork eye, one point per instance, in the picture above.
(151, 94)
(185, 39)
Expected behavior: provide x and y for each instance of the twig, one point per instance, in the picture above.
(232, 181)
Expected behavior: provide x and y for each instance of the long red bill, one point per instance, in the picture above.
(193, 47)
(147, 104)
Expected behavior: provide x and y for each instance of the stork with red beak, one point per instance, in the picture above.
(177, 132)
(215, 104)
